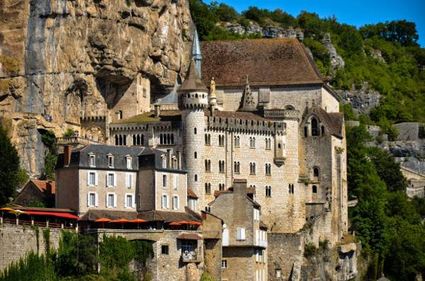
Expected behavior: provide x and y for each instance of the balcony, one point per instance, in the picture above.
(191, 256)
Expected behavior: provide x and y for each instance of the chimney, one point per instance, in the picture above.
(67, 150)
(157, 110)
(240, 187)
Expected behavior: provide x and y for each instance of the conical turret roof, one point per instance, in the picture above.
(193, 82)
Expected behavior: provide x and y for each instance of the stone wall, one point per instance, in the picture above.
(16, 241)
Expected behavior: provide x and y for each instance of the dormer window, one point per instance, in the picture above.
(110, 161)
(92, 160)
(128, 162)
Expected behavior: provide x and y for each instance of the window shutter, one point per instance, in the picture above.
(134, 201)
(115, 179)
(88, 178)
(115, 200)
(125, 201)
(96, 179)
(243, 233)
(107, 202)
(107, 183)
(96, 200)
(88, 199)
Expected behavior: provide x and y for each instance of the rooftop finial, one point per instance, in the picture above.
(196, 53)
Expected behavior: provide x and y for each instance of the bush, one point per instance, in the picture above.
(309, 250)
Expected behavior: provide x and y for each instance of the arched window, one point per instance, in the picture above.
(196, 178)
(314, 127)
(316, 172)
(116, 140)
(314, 188)
(195, 155)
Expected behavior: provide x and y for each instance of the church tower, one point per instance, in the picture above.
(193, 100)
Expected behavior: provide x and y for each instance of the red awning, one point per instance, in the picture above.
(120, 221)
(137, 221)
(103, 220)
(52, 214)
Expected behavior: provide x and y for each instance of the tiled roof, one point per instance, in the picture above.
(191, 194)
(43, 185)
(265, 61)
(334, 120)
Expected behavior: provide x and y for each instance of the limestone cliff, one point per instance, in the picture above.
(56, 53)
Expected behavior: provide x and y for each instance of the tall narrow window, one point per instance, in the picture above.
(195, 131)
(195, 155)
(268, 168)
(252, 169)
(164, 202)
(175, 202)
(92, 160)
(268, 143)
(221, 140)
(237, 141)
(291, 188)
(207, 139)
(207, 166)
(110, 161)
(268, 191)
(164, 180)
(110, 200)
(128, 180)
(237, 167)
(314, 127)
(221, 186)
(221, 166)
(314, 188)
(110, 180)
(316, 172)
(128, 162)
(251, 142)
(195, 177)
(208, 188)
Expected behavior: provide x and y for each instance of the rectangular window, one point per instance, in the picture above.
(237, 167)
(128, 163)
(207, 166)
(110, 180)
(164, 249)
(111, 200)
(221, 140)
(237, 141)
(251, 142)
(268, 168)
(207, 139)
(175, 202)
(252, 168)
(268, 143)
(91, 179)
(128, 180)
(221, 166)
(256, 214)
(208, 188)
(92, 160)
(221, 186)
(129, 201)
(223, 263)
(240, 234)
(268, 191)
(164, 180)
(110, 161)
(291, 188)
(164, 202)
(91, 199)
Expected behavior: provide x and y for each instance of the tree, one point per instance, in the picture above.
(9, 168)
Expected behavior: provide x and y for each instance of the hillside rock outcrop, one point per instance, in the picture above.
(92, 49)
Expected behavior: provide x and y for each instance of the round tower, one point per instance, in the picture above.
(193, 100)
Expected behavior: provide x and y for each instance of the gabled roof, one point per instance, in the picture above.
(333, 120)
(191, 194)
(43, 185)
(267, 62)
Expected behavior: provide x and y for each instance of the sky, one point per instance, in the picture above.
(354, 12)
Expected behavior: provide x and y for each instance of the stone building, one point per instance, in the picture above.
(37, 192)
(244, 237)
(267, 116)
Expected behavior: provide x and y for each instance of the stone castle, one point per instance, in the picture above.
(256, 110)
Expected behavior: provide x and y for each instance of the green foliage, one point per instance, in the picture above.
(9, 168)
(77, 255)
(68, 133)
(401, 31)
(115, 252)
(207, 277)
(143, 250)
(388, 224)
(32, 268)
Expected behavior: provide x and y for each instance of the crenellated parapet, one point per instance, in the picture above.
(147, 127)
(193, 100)
(88, 119)
(261, 127)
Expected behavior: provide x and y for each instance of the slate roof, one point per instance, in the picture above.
(268, 62)
(80, 157)
(192, 81)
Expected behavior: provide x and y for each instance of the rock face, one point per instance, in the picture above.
(362, 100)
(266, 31)
(64, 59)
(336, 60)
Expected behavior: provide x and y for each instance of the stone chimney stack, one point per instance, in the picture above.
(240, 187)
(67, 150)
